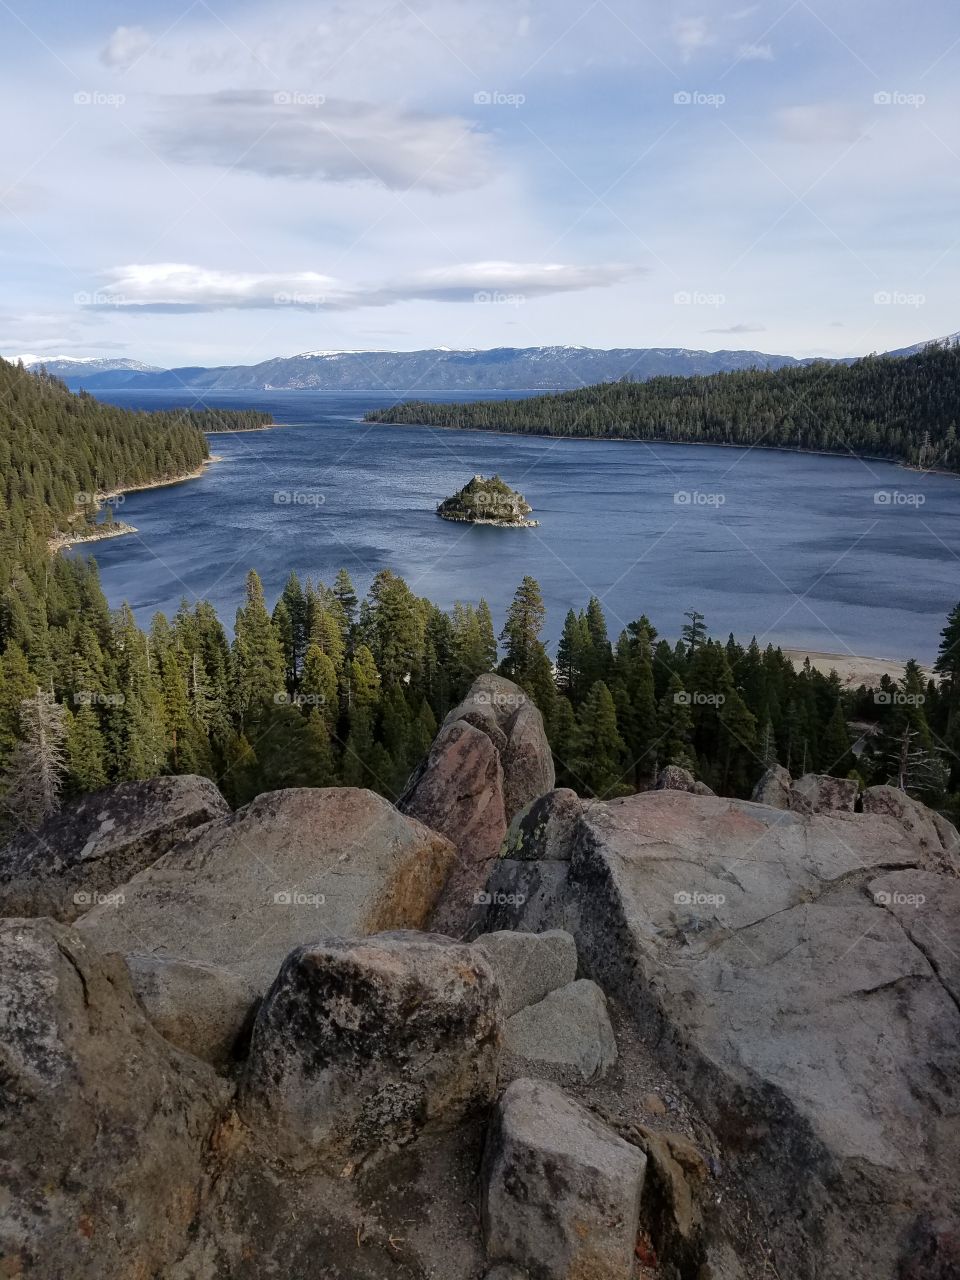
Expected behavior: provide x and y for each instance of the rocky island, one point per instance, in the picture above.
(484, 501)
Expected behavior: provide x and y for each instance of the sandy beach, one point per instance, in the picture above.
(852, 670)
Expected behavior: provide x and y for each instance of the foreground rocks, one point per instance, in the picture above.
(808, 1016)
(288, 868)
(561, 1191)
(490, 760)
(569, 1030)
(528, 966)
(364, 1045)
(95, 844)
(103, 1124)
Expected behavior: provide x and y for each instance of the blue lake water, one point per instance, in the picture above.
(794, 548)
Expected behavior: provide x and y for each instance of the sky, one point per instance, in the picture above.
(202, 184)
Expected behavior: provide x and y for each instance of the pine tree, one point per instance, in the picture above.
(598, 749)
(33, 775)
(86, 756)
(258, 666)
(521, 631)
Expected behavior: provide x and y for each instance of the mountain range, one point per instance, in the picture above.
(434, 369)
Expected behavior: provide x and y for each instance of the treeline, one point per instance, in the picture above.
(213, 420)
(904, 409)
(325, 689)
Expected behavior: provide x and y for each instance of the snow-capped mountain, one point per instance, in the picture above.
(83, 366)
(435, 369)
(950, 340)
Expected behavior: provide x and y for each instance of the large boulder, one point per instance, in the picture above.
(104, 1126)
(458, 791)
(527, 895)
(79, 857)
(774, 788)
(529, 966)
(821, 793)
(287, 869)
(561, 1191)
(926, 828)
(568, 1030)
(545, 828)
(794, 1007)
(674, 778)
(201, 1008)
(501, 709)
(361, 1045)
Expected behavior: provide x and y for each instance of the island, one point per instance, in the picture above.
(492, 501)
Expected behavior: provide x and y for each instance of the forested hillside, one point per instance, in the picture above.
(882, 406)
(325, 688)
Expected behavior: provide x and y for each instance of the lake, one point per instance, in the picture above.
(810, 552)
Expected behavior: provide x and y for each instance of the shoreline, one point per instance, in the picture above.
(702, 444)
(853, 669)
(61, 541)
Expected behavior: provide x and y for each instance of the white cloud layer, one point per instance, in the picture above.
(289, 133)
(182, 287)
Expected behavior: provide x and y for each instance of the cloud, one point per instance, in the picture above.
(756, 53)
(821, 122)
(125, 47)
(691, 35)
(740, 328)
(180, 287)
(300, 135)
